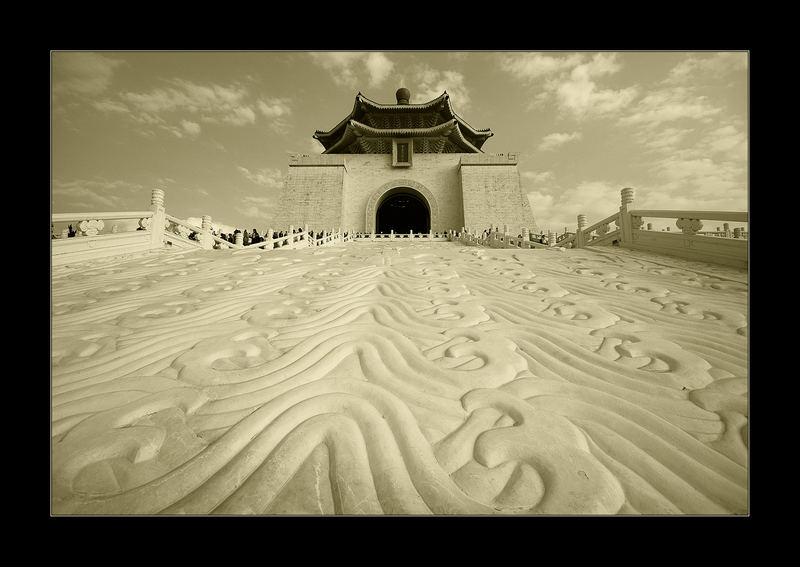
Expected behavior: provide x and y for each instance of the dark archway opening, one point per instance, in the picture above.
(402, 213)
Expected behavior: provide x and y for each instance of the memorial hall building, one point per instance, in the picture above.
(404, 167)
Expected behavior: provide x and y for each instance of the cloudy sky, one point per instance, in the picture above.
(215, 130)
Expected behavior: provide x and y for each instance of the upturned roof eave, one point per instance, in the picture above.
(450, 130)
(332, 138)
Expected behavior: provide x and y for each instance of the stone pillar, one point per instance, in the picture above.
(526, 237)
(727, 228)
(205, 239)
(625, 224)
(551, 238)
(159, 218)
(737, 232)
(580, 239)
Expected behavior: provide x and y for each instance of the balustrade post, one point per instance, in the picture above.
(580, 239)
(737, 232)
(238, 239)
(205, 238)
(727, 228)
(159, 218)
(625, 224)
(551, 238)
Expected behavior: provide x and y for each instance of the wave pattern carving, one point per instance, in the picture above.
(399, 379)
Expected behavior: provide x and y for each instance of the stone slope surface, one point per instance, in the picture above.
(399, 379)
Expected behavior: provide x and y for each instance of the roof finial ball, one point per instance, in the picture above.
(403, 95)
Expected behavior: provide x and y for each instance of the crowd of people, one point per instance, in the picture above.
(254, 237)
(540, 238)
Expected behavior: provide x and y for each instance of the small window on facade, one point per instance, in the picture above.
(402, 151)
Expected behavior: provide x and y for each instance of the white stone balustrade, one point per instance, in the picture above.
(183, 230)
(91, 227)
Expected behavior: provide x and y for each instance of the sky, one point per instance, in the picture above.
(215, 130)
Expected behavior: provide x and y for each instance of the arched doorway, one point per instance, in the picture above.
(402, 210)
(401, 187)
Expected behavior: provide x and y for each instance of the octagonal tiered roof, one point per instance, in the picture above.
(434, 126)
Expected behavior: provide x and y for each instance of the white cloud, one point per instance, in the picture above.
(214, 103)
(557, 139)
(182, 106)
(702, 66)
(84, 73)
(668, 105)
(109, 106)
(276, 111)
(431, 83)
(537, 176)
(532, 66)
(191, 128)
(270, 178)
(580, 96)
(345, 67)
(274, 107)
(379, 67)
(571, 82)
(663, 139)
(727, 140)
(239, 116)
(98, 194)
(260, 208)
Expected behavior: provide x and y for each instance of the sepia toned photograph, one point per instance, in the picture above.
(399, 283)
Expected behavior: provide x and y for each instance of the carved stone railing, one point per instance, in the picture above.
(87, 236)
(725, 247)
(497, 239)
(430, 236)
(183, 234)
